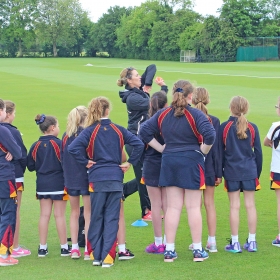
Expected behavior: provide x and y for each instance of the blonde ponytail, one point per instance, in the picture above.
(75, 118)
(200, 99)
(239, 106)
(96, 110)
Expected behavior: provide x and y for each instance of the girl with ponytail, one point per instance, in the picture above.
(151, 172)
(242, 164)
(100, 148)
(75, 178)
(213, 169)
(188, 136)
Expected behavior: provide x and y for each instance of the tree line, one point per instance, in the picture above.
(155, 30)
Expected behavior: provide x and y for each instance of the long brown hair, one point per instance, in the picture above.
(96, 110)
(180, 91)
(158, 101)
(200, 99)
(239, 106)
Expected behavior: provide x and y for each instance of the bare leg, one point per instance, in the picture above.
(121, 231)
(249, 199)
(193, 206)
(175, 200)
(16, 235)
(234, 199)
(155, 195)
(46, 210)
(87, 213)
(60, 220)
(209, 204)
(74, 218)
(277, 192)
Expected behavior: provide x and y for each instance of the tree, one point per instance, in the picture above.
(17, 17)
(57, 21)
(104, 34)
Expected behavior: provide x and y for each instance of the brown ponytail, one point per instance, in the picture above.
(180, 91)
(239, 107)
(200, 99)
(124, 75)
(158, 101)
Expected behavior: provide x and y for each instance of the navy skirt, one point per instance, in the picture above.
(183, 169)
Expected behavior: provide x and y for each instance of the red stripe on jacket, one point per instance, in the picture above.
(56, 149)
(90, 148)
(191, 121)
(3, 148)
(34, 152)
(64, 140)
(119, 134)
(225, 132)
(162, 116)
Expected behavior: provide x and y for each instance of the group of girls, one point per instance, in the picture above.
(187, 153)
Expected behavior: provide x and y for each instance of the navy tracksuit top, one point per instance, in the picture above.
(179, 133)
(8, 144)
(75, 173)
(44, 158)
(213, 161)
(242, 158)
(20, 164)
(103, 142)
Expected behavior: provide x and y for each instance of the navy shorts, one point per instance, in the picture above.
(274, 180)
(8, 189)
(151, 172)
(73, 192)
(183, 169)
(247, 185)
(210, 181)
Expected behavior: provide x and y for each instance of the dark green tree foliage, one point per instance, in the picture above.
(104, 34)
(17, 24)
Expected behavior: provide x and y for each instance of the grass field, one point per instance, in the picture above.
(55, 86)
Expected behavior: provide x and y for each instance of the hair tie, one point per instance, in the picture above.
(199, 101)
(41, 120)
(179, 90)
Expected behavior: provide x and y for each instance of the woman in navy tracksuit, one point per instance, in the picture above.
(182, 166)
(242, 166)
(44, 158)
(213, 169)
(137, 99)
(9, 150)
(20, 166)
(75, 179)
(151, 172)
(103, 142)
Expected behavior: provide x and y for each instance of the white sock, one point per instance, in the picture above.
(44, 246)
(121, 248)
(16, 249)
(85, 248)
(252, 237)
(197, 246)
(234, 239)
(4, 256)
(164, 240)
(212, 239)
(64, 246)
(170, 247)
(158, 241)
(75, 246)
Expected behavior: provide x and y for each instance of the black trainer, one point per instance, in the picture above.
(42, 252)
(65, 252)
(127, 255)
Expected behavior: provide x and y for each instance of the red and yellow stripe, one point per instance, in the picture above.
(34, 152)
(56, 149)
(90, 148)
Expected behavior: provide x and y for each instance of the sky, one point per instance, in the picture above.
(97, 9)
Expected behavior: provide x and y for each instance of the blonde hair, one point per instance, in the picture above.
(75, 118)
(200, 99)
(124, 75)
(239, 106)
(10, 106)
(180, 91)
(96, 110)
